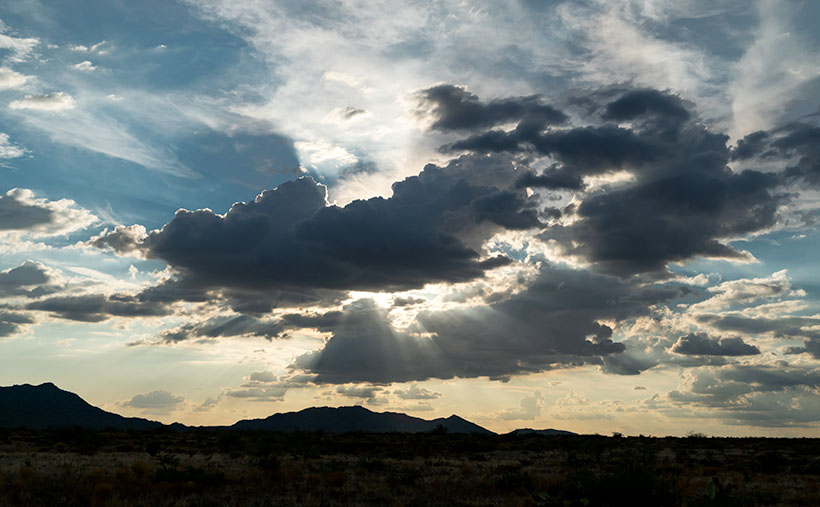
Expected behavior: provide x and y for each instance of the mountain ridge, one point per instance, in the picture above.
(358, 418)
(47, 406)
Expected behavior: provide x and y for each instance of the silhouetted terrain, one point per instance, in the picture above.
(548, 432)
(46, 405)
(368, 458)
(229, 467)
(346, 419)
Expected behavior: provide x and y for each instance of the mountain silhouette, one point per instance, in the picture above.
(547, 432)
(346, 419)
(48, 406)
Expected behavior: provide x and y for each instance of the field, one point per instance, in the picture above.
(229, 467)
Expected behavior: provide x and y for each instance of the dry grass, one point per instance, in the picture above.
(225, 467)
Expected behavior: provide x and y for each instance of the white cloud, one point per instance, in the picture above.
(20, 47)
(745, 291)
(414, 392)
(528, 409)
(155, 401)
(321, 152)
(10, 79)
(54, 101)
(769, 75)
(85, 66)
(99, 132)
(8, 149)
(374, 65)
(620, 49)
(100, 48)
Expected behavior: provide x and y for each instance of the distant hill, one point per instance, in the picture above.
(47, 406)
(346, 419)
(547, 432)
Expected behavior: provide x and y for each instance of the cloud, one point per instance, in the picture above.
(290, 239)
(769, 80)
(101, 47)
(19, 47)
(454, 108)
(85, 66)
(365, 392)
(702, 344)
(21, 211)
(262, 376)
(30, 279)
(769, 395)
(681, 201)
(12, 323)
(347, 113)
(639, 103)
(54, 101)
(528, 409)
(222, 326)
(10, 150)
(745, 291)
(264, 386)
(414, 392)
(155, 402)
(10, 79)
(124, 240)
(786, 326)
(795, 144)
(98, 307)
(555, 322)
(95, 129)
(258, 392)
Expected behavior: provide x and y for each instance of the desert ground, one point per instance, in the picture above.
(231, 467)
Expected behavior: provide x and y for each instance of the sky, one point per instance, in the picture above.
(588, 215)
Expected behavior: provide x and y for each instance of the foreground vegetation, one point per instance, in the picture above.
(230, 467)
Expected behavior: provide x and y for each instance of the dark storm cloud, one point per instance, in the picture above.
(366, 348)
(784, 327)
(289, 240)
(30, 279)
(703, 344)
(680, 215)
(797, 142)
(751, 146)
(216, 327)
(684, 201)
(753, 394)
(685, 207)
(360, 391)
(22, 211)
(245, 300)
(554, 323)
(802, 141)
(122, 240)
(645, 352)
(787, 327)
(11, 322)
(581, 150)
(98, 307)
(640, 103)
(553, 179)
(16, 214)
(457, 109)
